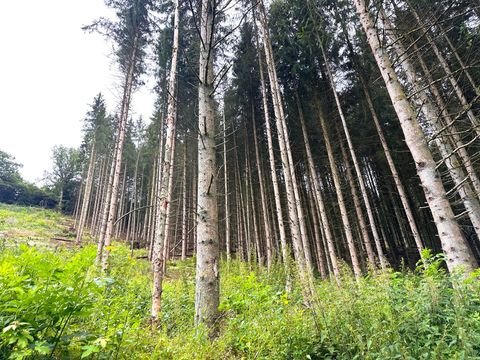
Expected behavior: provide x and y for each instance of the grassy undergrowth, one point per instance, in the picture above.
(56, 304)
(22, 224)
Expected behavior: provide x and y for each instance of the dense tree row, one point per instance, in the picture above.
(332, 133)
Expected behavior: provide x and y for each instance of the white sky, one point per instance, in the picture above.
(50, 70)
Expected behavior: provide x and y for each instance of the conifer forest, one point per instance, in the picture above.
(307, 187)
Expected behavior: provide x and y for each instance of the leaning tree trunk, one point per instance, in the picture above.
(467, 107)
(396, 178)
(449, 126)
(207, 284)
(453, 242)
(449, 156)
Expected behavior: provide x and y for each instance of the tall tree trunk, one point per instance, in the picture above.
(446, 68)
(363, 190)
(449, 127)
(318, 195)
(452, 163)
(184, 203)
(60, 199)
(99, 198)
(263, 197)
(226, 195)
(117, 163)
(396, 178)
(338, 189)
(168, 202)
(297, 224)
(273, 169)
(86, 196)
(207, 284)
(453, 242)
(358, 207)
(317, 234)
(164, 178)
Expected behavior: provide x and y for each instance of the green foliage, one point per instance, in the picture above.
(18, 223)
(58, 305)
(64, 176)
(15, 190)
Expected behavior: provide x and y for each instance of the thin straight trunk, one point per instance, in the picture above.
(133, 216)
(363, 190)
(273, 170)
(225, 180)
(119, 225)
(318, 194)
(297, 224)
(247, 210)
(453, 242)
(168, 216)
(239, 213)
(118, 159)
(195, 203)
(77, 205)
(207, 284)
(321, 267)
(241, 206)
(261, 179)
(101, 197)
(165, 178)
(100, 189)
(105, 209)
(137, 221)
(184, 204)
(86, 196)
(396, 177)
(358, 207)
(152, 212)
(251, 199)
(338, 188)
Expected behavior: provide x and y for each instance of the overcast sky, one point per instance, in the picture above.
(50, 70)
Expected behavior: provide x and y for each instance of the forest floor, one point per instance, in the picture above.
(55, 303)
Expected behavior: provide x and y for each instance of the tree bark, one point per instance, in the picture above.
(207, 284)
(318, 195)
(86, 196)
(297, 225)
(164, 178)
(117, 163)
(363, 190)
(453, 242)
(338, 189)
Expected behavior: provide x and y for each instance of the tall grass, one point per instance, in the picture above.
(57, 305)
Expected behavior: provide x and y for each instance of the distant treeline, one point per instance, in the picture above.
(15, 190)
